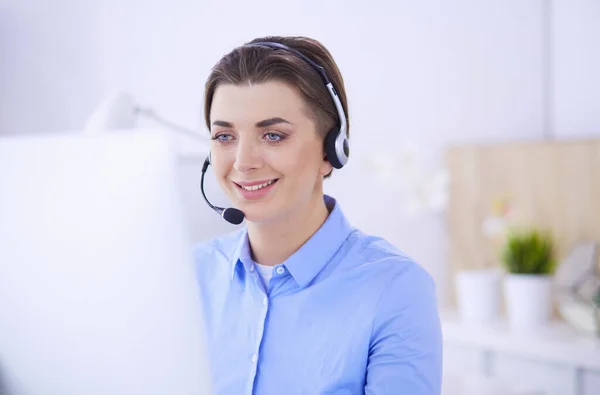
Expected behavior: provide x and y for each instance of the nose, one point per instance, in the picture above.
(247, 156)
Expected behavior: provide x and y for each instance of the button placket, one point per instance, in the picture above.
(262, 322)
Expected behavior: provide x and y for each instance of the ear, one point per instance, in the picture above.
(325, 168)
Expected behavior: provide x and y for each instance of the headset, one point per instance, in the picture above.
(337, 147)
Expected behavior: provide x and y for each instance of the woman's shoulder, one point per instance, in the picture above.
(383, 256)
(399, 278)
(374, 248)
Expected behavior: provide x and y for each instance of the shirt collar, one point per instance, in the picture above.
(241, 254)
(311, 258)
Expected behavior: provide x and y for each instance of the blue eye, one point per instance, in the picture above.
(222, 138)
(273, 137)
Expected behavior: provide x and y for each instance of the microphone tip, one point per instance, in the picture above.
(233, 215)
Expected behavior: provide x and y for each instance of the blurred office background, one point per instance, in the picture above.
(423, 78)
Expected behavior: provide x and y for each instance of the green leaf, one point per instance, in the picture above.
(597, 298)
(529, 252)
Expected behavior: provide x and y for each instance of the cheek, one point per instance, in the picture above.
(298, 163)
(221, 165)
(284, 162)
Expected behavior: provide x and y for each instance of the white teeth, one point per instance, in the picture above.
(257, 187)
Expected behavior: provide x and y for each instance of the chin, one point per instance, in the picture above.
(258, 211)
(265, 212)
(257, 214)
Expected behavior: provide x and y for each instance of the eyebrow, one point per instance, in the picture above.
(262, 124)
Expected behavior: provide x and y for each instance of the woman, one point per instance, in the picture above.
(298, 301)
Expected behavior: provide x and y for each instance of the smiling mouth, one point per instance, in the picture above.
(257, 187)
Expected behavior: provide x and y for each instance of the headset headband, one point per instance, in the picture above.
(338, 150)
(318, 68)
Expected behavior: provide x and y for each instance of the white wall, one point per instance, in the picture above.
(48, 72)
(434, 72)
(576, 69)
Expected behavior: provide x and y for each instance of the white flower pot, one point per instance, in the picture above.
(528, 300)
(478, 295)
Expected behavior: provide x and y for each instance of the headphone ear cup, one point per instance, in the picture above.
(330, 151)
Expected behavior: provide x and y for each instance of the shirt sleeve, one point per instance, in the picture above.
(405, 355)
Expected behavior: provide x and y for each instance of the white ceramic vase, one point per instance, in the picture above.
(528, 300)
(478, 295)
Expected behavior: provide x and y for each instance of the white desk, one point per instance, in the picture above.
(469, 384)
(556, 359)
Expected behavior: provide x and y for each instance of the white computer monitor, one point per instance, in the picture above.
(98, 293)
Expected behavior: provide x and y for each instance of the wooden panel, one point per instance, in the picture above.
(552, 185)
(463, 210)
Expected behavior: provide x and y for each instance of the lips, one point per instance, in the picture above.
(256, 186)
(256, 189)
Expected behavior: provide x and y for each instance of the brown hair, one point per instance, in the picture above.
(254, 64)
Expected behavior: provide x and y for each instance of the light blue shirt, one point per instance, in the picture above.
(345, 314)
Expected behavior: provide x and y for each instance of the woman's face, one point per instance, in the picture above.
(265, 150)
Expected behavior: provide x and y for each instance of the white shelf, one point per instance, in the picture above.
(557, 343)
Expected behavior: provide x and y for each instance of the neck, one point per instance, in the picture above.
(272, 243)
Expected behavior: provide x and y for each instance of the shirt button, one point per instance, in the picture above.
(252, 268)
(254, 358)
(280, 270)
(265, 301)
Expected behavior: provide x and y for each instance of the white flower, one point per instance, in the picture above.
(384, 165)
(427, 194)
(494, 226)
(421, 191)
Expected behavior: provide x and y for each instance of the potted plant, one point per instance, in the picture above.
(528, 256)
